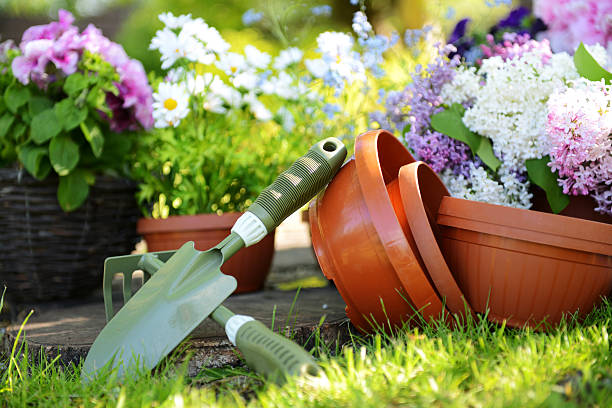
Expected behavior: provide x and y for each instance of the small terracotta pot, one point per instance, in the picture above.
(528, 267)
(250, 266)
(359, 242)
(421, 192)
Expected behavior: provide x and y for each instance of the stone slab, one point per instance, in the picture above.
(68, 328)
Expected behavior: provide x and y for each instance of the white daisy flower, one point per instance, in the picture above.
(213, 40)
(288, 57)
(256, 58)
(173, 46)
(170, 104)
(214, 103)
(257, 108)
(231, 63)
(247, 80)
(171, 21)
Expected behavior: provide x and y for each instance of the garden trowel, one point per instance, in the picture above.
(189, 286)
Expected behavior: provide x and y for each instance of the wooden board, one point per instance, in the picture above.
(69, 328)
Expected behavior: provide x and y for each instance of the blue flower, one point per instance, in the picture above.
(324, 10)
(361, 25)
(330, 109)
(450, 13)
(354, 2)
(251, 17)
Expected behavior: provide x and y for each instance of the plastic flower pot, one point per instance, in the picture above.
(421, 192)
(250, 266)
(360, 244)
(525, 267)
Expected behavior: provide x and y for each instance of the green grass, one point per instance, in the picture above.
(478, 365)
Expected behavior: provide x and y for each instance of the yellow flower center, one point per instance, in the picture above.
(338, 60)
(170, 104)
(233, 69)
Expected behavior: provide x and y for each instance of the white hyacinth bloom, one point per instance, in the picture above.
(464, 86)
(170, 104)
(510, 108)
(288, 57)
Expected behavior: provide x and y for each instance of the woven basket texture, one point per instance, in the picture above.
(47, 254)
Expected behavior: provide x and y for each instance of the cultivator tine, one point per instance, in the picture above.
(126, 265)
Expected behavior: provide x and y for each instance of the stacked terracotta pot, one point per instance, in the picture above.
(400, 249)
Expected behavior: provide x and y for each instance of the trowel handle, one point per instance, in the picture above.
(292, 189)
(273, 354)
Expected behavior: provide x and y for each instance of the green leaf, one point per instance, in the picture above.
(72, 190)
(588, 67)
(5, 123)
(38, 104)
(18, 130)
(95, 138)
(64, 154)
(450, 122)
(68, 114)
(541, 175)
(44, 126)
(15, 96)
(34, 159)
(96, 98)
(75, 83)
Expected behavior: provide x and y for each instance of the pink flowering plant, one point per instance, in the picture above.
(69, 103)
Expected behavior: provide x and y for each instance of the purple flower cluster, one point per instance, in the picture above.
(54, 50)
(410, 111)
(514, 45)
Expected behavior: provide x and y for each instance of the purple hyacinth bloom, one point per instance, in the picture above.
(409, 112)
(459, 30)
(514, 19)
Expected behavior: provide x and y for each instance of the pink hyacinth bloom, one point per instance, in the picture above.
(573, 21)
(579, 129)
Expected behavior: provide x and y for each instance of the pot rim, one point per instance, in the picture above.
(397, 248)
(197, 222)
(420, 216)
(532, 226)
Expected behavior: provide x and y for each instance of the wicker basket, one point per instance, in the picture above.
(48, 254)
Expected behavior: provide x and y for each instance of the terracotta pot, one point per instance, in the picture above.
(578, 207)
(528, 267)
(421, 192)
(359, 242)
(250, 266)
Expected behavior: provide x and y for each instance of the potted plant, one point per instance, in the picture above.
(70, 102)
(217, 143)
(494, 120)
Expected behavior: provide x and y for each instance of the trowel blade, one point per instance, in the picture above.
(177, 298)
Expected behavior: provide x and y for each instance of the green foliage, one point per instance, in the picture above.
(450, 123)
(213, 164)
(60, 129)
(588, 67)
(475, 365)
(541, 175)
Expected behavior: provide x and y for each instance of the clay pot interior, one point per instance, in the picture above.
(250, 266)
(361, 246)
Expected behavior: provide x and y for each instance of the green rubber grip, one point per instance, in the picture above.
(299, 183)
(272, 354)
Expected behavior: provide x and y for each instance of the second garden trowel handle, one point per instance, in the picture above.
(292, 189)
